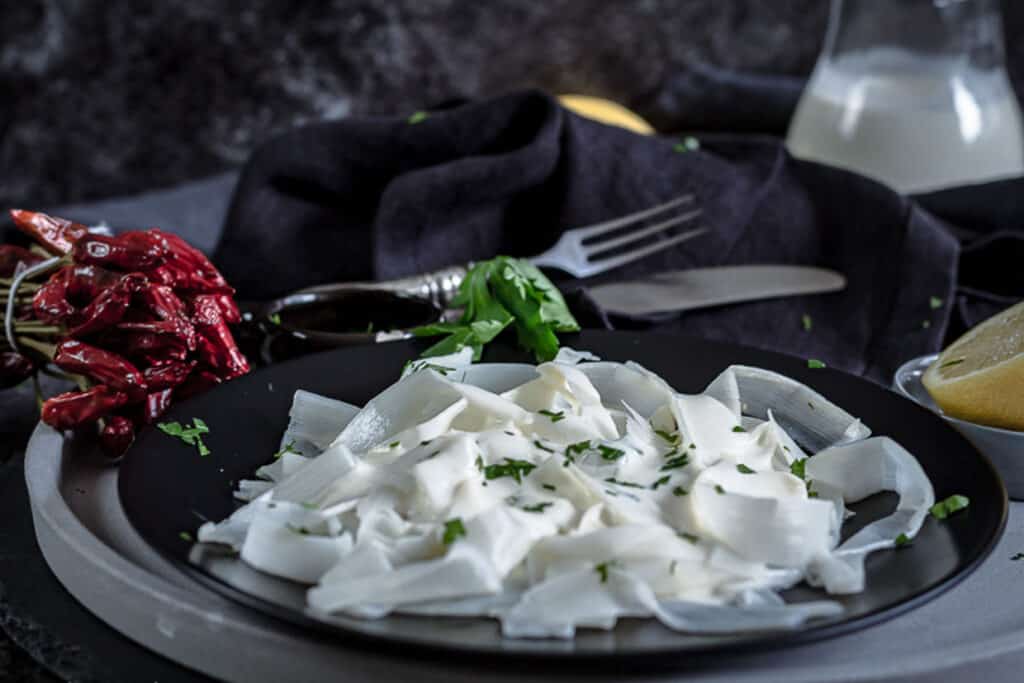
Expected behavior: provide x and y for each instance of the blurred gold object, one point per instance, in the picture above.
(606, 111)
(980, 377)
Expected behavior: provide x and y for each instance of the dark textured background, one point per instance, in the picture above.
(105, 98)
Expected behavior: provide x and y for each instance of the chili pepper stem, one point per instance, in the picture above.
(66, 376)
(30, 286)
(48, 350)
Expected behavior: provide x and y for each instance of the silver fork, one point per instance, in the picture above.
(578, 251)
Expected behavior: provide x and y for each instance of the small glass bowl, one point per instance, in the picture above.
(1004, 447)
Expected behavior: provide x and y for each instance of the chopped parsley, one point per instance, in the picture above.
(925, 324)
(542, 447)
(903, 540)
(1018, 556)
(394, 444)
(537, 507)
(185, 536)
(516, 469)
(798, 468)
(743, 469)
(660, 482)
(609, 453)
(675, 462)
(672, 439)
(719, 489)
(310, 506)
(679, 491)
(453, 529)
(951, 363)
(631, 484)
(190, 435)
(480, 463)
(300, 530)
(288, 448)
(807, 322)
(555, 417)
(425, 365)
(815, 364)
(549, 487)
(738, 429)
(602, 570)
(944, 508)
(692, 538)
(935, 303)
(274, 318)
(417, 117)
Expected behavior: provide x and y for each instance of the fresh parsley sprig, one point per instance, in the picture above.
(496, 294)
(192, 435)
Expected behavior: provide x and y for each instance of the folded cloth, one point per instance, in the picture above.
(384, 198)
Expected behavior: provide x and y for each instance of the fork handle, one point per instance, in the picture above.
(438, 286)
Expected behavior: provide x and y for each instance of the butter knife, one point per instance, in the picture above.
(684, 290)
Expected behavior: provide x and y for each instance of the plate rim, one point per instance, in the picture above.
(655, 658)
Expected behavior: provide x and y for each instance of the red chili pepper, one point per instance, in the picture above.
(197, 383)
(85, 283)
(109, 307)
(167, 375)
(56, 235)
(76, 408)
(117, 435)
(162, 302)
(228, 308)
(101, 366)
(51, 303)
(130, 251)
(216, 346)
(187, 269)
(11, 255)
(157, 404)
(14, 369)
(175, 327)
(153, 348)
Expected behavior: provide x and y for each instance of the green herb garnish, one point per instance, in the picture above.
(417, 117)
(300, 530)
(925, 324)
(807, 322)
(185, 536)
(1018, 556)
(555, 417)
(424, 365)
(631, 484)
(743, 469)
(609, 453)
(602, 570)
(799, 468)
(672, 439)
(453, 529)
(738, 429)
(192, 435)
(542, 447)
(944, 508)
(394, 444)
(537, 507)
(516, 469)
(951, 363)
(815, 364)
(935, 303)
(495, 294)
(660, 482)
(288, 448)
(902, 540)
(692, 538)
(676, 462)
(679, 491)
(687, 144)
(549, 487)
(719, 489)
(274, 318)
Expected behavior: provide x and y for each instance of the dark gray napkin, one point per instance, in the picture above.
(383, 198)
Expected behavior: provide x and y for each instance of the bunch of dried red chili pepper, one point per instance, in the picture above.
(138, 320)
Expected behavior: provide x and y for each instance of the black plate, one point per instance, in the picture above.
(166, 488)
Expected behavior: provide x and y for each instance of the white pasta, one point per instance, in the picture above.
(570, 494)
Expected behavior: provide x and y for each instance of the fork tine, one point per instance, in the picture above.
(601, 228)
(654, 247)
(637, 235)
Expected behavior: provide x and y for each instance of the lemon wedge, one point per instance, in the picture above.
(980, 377)
(606, 111)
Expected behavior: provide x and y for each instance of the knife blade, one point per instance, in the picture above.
(684, 290)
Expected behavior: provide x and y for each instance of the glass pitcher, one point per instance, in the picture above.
(913, 93)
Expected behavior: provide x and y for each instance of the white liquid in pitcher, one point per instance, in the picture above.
(915, 124)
